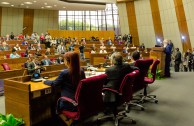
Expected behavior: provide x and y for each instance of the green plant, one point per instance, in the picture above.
(10, 120)
(158, 74)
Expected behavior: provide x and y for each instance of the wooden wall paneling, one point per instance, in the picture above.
(0, 18)
(28, 21)
(132, 22)
(182, 23)
(156, 20)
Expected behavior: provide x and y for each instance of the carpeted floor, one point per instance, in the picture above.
(175, 106)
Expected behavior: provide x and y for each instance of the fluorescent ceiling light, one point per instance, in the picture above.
(27, 2)
(5, 3)
(48, 6)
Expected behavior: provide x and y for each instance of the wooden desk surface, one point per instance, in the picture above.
(36, 86)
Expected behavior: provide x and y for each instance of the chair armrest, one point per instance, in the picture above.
(112, 90)
(69, 100)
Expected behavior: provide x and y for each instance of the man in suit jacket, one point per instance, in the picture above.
(4, 47)
(115, 75)
(60, 60)
(46, 61)
(177, 60)
(33, 65)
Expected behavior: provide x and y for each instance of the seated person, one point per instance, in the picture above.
(34, 65)
(142, 46)
(93, 51)
(109, 41)
(102, 46)
(128, 57)
(4, 47)
(60, 60)
(125, 49)
(17, 47)
(103, 50)
(25, 43)
(38, 46)
(71, 46)
(113, 47)
(14, 54)
(48, 51)
(27, 52)
(115, 75)
(68, 79)
(46, 61)
(135, 56)
(31, 47)
(37, 53)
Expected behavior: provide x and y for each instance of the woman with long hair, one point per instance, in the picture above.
(68, 79)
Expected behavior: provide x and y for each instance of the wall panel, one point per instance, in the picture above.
(189, 9)
(182, 23)
(169, 22)
(132, 22)
(145, 23)
(123, 18)
(45, 20)
(28, 21)
(12, 21)
(0, 18)
(156, 20)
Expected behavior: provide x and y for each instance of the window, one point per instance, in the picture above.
(107, 19)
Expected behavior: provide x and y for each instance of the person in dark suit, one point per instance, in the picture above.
(168, 51)
(60, 59)
(177, 60)
(68, 79)
(115, 75)
(135, 56)
(33, 65)
(46, 61)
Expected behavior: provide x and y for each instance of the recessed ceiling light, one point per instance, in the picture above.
(48, 6)
(12, 5)
(27, 2)
(45, 3)
(5, 3)
(22, 4)
(55, 5)
(34, 1)
(42, 7)
(64, 7)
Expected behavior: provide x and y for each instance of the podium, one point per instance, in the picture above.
(158, 53)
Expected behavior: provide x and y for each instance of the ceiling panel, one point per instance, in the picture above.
(55, 4)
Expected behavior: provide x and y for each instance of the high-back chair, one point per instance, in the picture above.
(88, 99)
(148, 80)
(124, 96)
(5, 66)
(143, 65)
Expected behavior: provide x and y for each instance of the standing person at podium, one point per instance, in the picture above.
(168, 51)
(68, 79)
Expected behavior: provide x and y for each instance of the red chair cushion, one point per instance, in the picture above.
(69, 114)
(148, 80)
